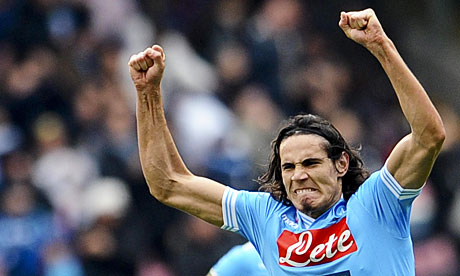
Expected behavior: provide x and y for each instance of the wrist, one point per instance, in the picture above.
(383, 49)
(149, 94)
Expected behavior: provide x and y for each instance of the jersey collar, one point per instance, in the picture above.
(304, 219)
(337, 210)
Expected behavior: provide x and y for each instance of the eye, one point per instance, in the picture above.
(310, 162)
(287, 166)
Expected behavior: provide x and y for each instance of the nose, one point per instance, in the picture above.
(299, 174)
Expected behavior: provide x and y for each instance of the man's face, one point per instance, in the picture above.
(312, 180)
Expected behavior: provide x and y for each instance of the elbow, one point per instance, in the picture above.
(156, 191)
(165, 190)
(158, 182)
(431, 139)
(440, 135)
(159, 189)
(437, 137)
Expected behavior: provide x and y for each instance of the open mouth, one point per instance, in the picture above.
(305, 190)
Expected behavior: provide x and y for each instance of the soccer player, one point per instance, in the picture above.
(241, 260)
(321, 214)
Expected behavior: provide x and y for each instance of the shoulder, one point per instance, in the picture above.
(382, 181)
(252, 198)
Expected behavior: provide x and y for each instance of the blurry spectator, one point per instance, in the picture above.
(98, 249)
(27, 229)
(200, 121)
(350, 125)
(227, 162)
(234, 68)
(64, 21)
(27, 22)
(326, 85)
(196, 245)
(7, 56)
(60, 260)
(106, 245)
(61, 172)
(108, 17)
(154, 268)
(10, 137)
(31, 89)
(105, 199)
(10, 13)
(88, 110)
(108, 52)
(187, 72)
(17, 167)
(275, 44)
(230, 17)
(118, 155)
(436, 256)
(446, 173)
(255, 132)
(423, 214)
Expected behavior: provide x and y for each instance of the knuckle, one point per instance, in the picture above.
(133, 58)
(140, 59)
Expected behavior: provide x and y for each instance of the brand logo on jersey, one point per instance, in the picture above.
(289, 222)
(317, 246)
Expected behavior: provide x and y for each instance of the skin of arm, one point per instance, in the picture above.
(167, 177)
(413, 157)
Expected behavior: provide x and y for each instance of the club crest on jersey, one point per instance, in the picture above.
(316, 246)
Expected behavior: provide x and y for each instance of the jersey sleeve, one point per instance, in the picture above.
(387, 201)
(246, 213)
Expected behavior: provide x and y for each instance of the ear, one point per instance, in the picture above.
(341, 164)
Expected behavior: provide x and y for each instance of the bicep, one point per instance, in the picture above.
(410, 163)
(198, 196)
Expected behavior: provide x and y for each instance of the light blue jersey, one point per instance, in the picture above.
(368, 235)
(241, 260)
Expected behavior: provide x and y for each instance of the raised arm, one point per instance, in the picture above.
(411, 160)
(168, 178)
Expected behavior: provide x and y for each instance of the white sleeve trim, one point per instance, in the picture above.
(395, 188)
(212, 272)
(229, 210)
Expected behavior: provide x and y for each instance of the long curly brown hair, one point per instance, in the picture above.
(271, 181)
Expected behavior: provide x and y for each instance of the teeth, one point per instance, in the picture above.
(305, 191)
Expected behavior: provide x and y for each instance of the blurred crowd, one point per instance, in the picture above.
(73, 200)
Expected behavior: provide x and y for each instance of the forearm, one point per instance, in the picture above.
(168, 178)
(424, 120)
(411, 160)
(160, 160)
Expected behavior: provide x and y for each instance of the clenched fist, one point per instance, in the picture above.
(146, 68)
(364, 28)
